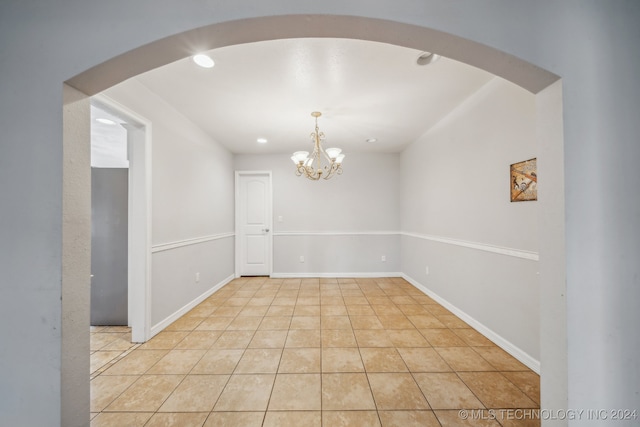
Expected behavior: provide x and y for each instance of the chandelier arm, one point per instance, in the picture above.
(312, 167)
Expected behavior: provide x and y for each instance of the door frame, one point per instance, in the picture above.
(238, 240)
(139, 215)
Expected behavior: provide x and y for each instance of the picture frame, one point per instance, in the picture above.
(524, 181)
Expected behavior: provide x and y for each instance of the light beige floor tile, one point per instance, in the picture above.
(293, 419)
(101, 358)
(99, 340)
(227, 311)
(350, 419)
(452, 418)
(306, 310)
(254, 310)
(387, 310)
(136, 363)
(346, 392)
(412, 309)
(246, 393)
(146, 394)
(446, 391)
(382, 360)
(195, 419)
(413, 332)
(425, 321)
(129, 419)
(335, 322)
(408, 419)
(245, 323)
(287, 293)
(218, 361)
(408, 338)
(215, 323)
(333, 310)
(396, 322)
(106, 388)
(274, 323)
(403, 300)
(165, 340)
(396, 391)
(281, 310)
(366, 322)
(302, 338)
(300, 360)
(355, 300)
(424, 299)
(331, 300)
(341, 360)
(442, 338)
(258, 301)
(380, 301)
(360, 310)
(259, 361)
(198, 340)
(496, 391)
(464, 359)
(118, 329)
(177, 362)
(451, 321)
(238, 301)
(338, 338)
(196, 393)
(121, 344)
(423, 360)
(284, 301)
(234, 339)
(268, 339)
(527, 381)
(500, 359)
(372, 338)
(305, 322)
(200, 311)
(287, 393)
(308, 300)
(473, 337)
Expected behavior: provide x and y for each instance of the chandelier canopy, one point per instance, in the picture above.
(312, 166)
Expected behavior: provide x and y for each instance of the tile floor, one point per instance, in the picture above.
(310, 352)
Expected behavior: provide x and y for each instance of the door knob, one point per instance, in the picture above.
(266, 230)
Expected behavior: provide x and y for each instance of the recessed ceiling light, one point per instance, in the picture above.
(203, 60)
(105, 121)
(262, 140)
(427, 58)
(370, 140)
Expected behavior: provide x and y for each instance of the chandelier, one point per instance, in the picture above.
(312, 166)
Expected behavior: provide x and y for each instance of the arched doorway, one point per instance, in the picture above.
(528, 76)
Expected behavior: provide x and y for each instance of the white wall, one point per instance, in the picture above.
(589, 44)
(342, 226)
(192, 206)
(455, 194)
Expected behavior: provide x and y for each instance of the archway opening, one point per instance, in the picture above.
(524, 74)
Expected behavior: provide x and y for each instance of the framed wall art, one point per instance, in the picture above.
(524, 181)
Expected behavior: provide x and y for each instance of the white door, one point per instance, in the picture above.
(253, 223)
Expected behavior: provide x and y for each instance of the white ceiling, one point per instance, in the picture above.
(269, 89)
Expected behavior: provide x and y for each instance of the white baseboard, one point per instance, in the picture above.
(333, 275)
(160, 326)
(506, 345)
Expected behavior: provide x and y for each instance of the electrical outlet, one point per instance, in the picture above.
(384, 258)
(280, 218)
(197, 277)
(426, 270)
(301, 258)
